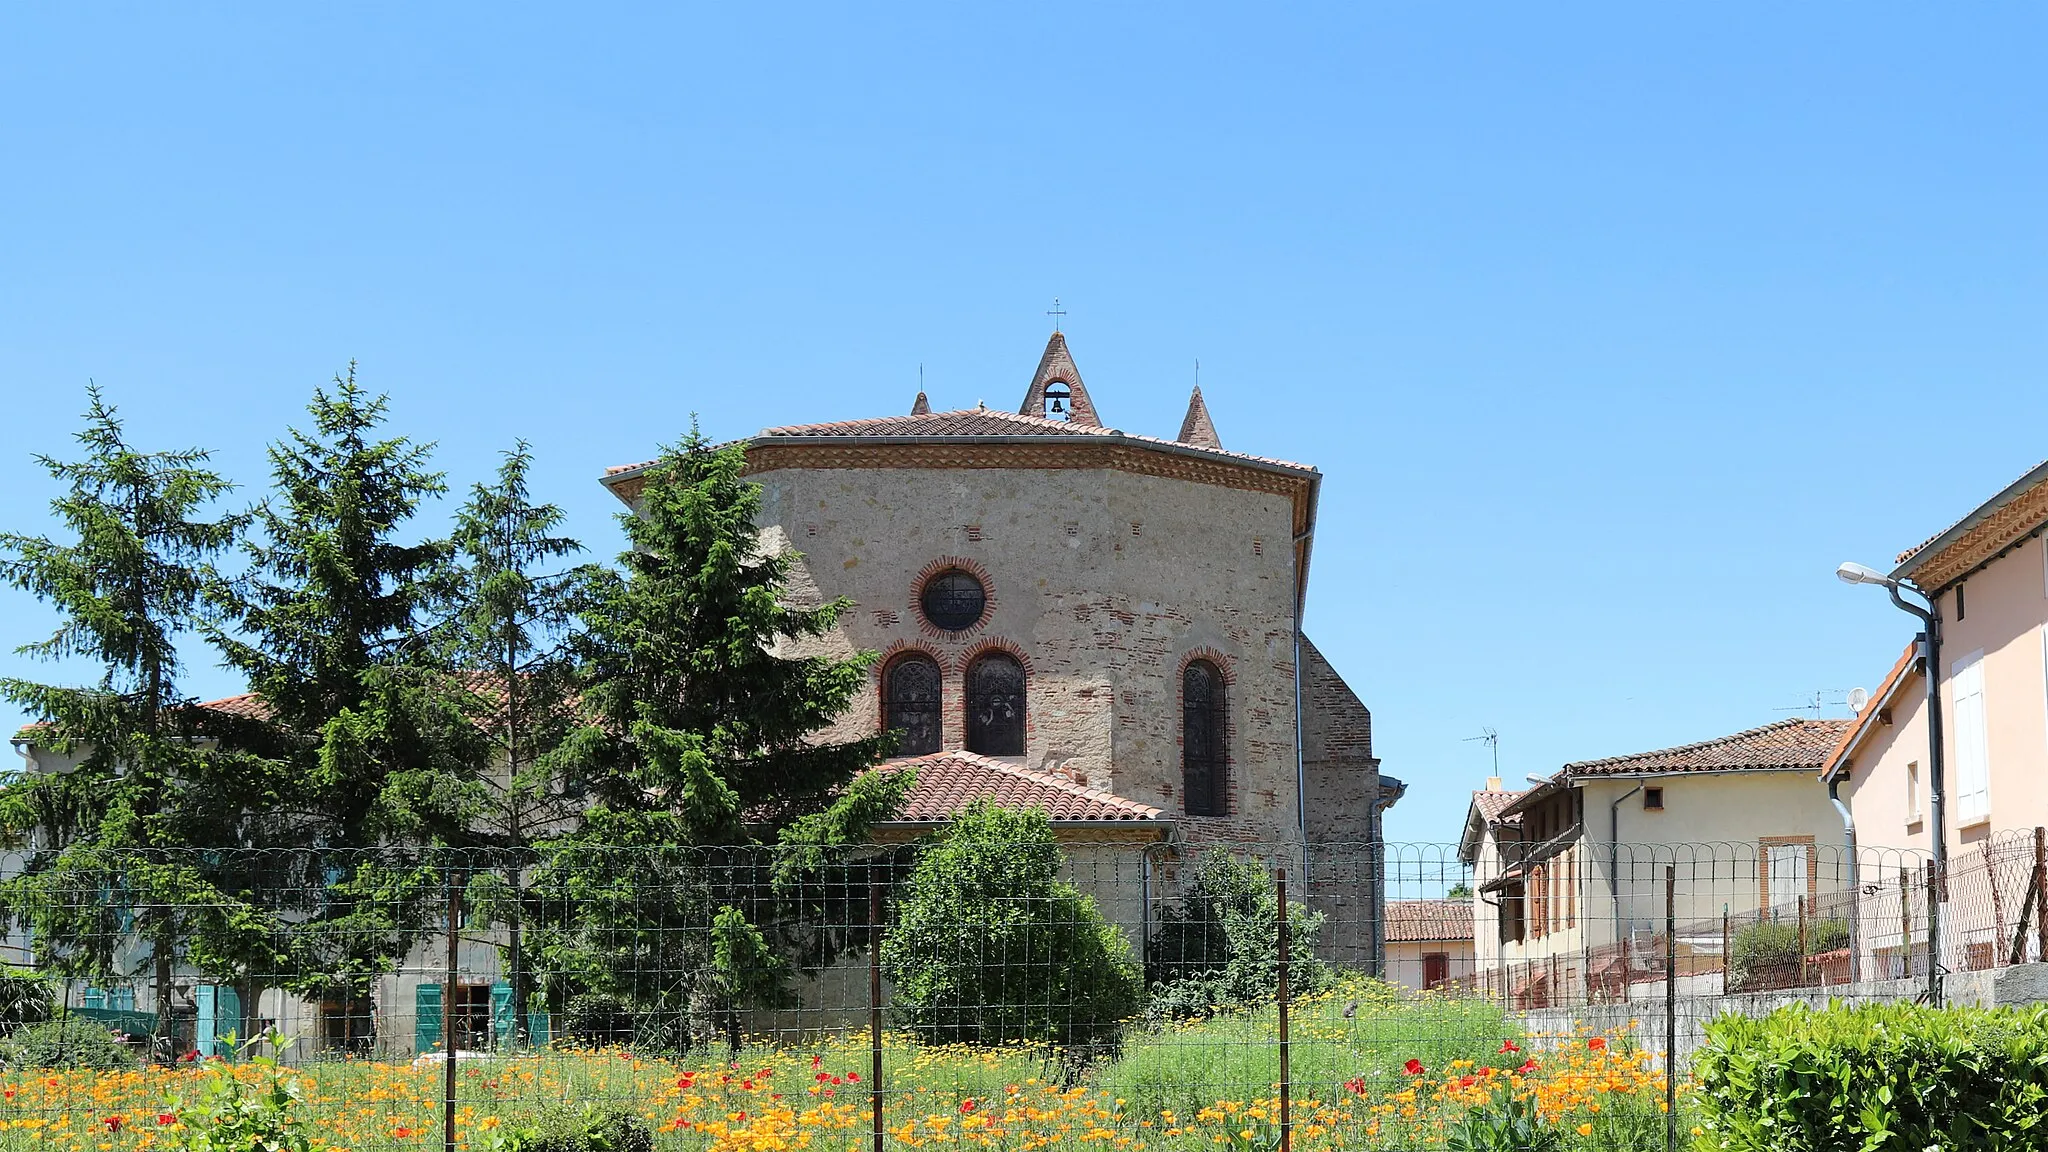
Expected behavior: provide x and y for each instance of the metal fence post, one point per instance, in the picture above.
(1934, 930)
(1286, 946)
(449, 1000)
(875, 1004)
(1671, 1008)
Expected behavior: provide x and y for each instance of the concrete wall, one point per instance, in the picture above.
(1644, 1015)
(1104, 584)
(1406, 961)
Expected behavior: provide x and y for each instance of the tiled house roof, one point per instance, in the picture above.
(242, 706)
(947, 782)
(1421, 921)
(1785, 745)
(2020, 508)
(1905, 669)
(1492, 803)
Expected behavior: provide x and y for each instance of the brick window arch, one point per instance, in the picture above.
(995, 704)
(1204, 727)
(912, 702)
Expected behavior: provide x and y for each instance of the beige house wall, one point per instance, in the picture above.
(1406, 961)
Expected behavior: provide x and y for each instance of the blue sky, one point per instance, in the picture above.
(1613, 328)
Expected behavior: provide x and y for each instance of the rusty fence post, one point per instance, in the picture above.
(1934, 930)
(449, 999)
(2040, 893)
(875, 1005)
(1671, 1008)
(1286, 1094)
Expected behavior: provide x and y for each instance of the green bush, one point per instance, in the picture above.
(1766, 954)
(67, 1042)
(991, 947)
(587, 1129)
(1876, 1077)
(1218, 946)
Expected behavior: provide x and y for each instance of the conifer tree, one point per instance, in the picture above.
(330, 625)
(512, 674)
(108, 836)
(704, 689)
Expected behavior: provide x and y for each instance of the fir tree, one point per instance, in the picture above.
(704, 689)
(106, 837)
(330, 627)
(513, 677)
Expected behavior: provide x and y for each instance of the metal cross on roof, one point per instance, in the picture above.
(1056, 312)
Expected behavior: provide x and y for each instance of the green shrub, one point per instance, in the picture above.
(230, 1114)
(67, 1042)
(1766, 954)
(991, 947)
(587, 1129)
(1219, 947)
(1508, 1123)
(25, 999)
(1876, 1077)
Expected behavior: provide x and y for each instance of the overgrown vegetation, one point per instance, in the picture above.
(1218, 947)
(992, 947)
(66, 1042)
(1768, 954)
(1880, 1077)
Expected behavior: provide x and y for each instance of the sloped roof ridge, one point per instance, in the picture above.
(1786, 724)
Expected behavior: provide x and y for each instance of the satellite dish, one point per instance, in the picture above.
(1858, 700)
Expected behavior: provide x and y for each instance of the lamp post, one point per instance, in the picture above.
(1937, 787)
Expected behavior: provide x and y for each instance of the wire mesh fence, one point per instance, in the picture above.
(1354, 996)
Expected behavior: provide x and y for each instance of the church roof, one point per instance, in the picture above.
(1196, 428)
(947, 782)
(974, 423)
(1057, 367)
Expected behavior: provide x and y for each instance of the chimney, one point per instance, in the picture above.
(1493, 783)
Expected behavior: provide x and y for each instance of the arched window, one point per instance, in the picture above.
(995, 705)
(1203, 762)
(1059, 401)
(910, 703)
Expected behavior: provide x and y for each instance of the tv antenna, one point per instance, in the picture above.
(1492, 738)
(1820, 700)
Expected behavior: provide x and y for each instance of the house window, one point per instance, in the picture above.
(953, 600)
(1962, 609)
(1913, 792)
(1203, 728)
(347, 1024)
(1788, 873)
(995, 705)
(1511, 914)
(1973, 769)
(911, 703)
(1653, 799)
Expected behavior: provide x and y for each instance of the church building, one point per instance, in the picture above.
(1072, 616)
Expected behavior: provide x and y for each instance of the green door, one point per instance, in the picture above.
(426, 1021)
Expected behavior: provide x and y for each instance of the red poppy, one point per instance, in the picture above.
(402, 1133)
(1486, 1071)
(1507, 1046)
(1414, 1067)
(740, 1116)
(1597, 1043)
(822, 1077)
(817, 1060)
(1528, 1067)
(10, 1093)
(114, 1123)
(166, 1118)
(748, 1085)
(1467, 1081)
(1355, 1085)
(966, 1106)
(853, 1077)
(828, 1091)
(190, 1054)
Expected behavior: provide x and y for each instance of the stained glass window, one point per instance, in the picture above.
(911, 703)
(1202, 754)
(953, 600)
(995, 705)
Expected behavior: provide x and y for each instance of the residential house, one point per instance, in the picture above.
(1569, 874)
(1429, 944)
(1986, 577)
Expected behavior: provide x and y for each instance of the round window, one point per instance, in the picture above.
(953, 600)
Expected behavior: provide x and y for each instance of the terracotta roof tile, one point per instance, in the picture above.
(1905, 665)
(970, 422)
(1779, 746)
(1492, 803)
(244, 706)
(1418, 921)
(947, 782)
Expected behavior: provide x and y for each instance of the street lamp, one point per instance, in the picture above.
(1937, 789)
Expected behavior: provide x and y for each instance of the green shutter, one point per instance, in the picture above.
(538, 1028)
(501, 1013)
(94, 998)
(426, 1024)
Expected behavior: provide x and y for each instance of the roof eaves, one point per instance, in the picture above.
(1905, 669)
(1912, 560)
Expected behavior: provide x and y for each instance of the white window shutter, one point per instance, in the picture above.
(1973, 766)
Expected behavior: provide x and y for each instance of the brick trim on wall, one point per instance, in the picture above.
(938, 567)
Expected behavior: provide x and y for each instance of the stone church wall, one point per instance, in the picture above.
(1104, 584)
